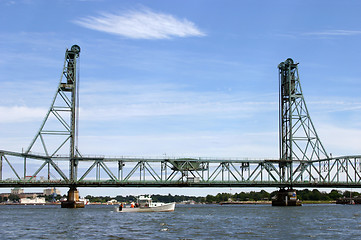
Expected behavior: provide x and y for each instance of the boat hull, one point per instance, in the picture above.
(169, 207)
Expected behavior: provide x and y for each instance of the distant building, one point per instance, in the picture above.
(188, 202)
(36, 200)
(29, 195)
(112, 201)
(50, 191)
(4, 195)
(17, 191)
(20, 192)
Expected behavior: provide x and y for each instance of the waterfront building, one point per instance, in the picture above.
(37, 200)
(17, 191)
(50, 191)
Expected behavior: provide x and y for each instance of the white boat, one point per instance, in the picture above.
(145, 204)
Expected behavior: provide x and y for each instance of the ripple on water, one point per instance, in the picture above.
(187, 222)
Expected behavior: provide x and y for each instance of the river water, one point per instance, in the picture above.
(186, 222)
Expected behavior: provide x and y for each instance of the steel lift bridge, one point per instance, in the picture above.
(53, 153)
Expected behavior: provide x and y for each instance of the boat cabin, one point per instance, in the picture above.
(144, 201)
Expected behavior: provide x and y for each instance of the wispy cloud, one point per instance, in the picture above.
(142, 24)
(153, 100)
(112, 102)
(320, 34)
(194, 144)
(340, 141)
(333, 33)
(336, 105)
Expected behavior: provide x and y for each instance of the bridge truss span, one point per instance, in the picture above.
(343, 172)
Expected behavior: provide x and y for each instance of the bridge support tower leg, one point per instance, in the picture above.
(1, 167)
(298, 139)
(73, 199)
(286, 197)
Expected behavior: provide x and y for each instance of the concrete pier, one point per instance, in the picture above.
(73, 199)
(286, 197)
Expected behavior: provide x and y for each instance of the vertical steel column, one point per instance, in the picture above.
(329, 171)
(97, 172)
(346, 170)
(161, 170)
(338, 170)
(24, 168)
(298, 139)
(144, 171)
(222, 169)
(48, 171)
(1, 167)
(120, 170)
(204, 164)
(355, 162)
(140, 171)
(72, 56)
(287, 89)
(229, 172)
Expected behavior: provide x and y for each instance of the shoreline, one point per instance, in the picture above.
(24, 204)
(220, 203)
(270, 202)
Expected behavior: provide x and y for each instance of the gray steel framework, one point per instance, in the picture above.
(59, 127)
(297, 134)
(186, 172)
(303, 161)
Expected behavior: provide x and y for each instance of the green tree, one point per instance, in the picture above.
(14, 198)
(335, 194)
(210, 199)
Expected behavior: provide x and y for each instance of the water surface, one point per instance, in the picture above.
(187, 222)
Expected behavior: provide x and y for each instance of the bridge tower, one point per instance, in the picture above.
(298, 139)
(60, 125)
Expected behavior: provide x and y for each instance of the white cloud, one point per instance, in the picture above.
(340, 141)
(143, 24)
(20, 114)
(167, 100)
(208, 108)
(336, 105)
(334, 33)
(223, 145)
(320, 34)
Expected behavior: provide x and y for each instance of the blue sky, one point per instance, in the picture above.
(182, 78)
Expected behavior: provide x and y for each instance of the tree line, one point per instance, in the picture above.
(305, 195)
(155, 197)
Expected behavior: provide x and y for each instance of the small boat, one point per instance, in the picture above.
(145, 204)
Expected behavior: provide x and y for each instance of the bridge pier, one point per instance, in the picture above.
(286, 197)
(73, 199)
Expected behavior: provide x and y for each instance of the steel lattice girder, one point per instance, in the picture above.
(298, 136)
(332, 172)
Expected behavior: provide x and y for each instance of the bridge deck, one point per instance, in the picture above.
(100, 171)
